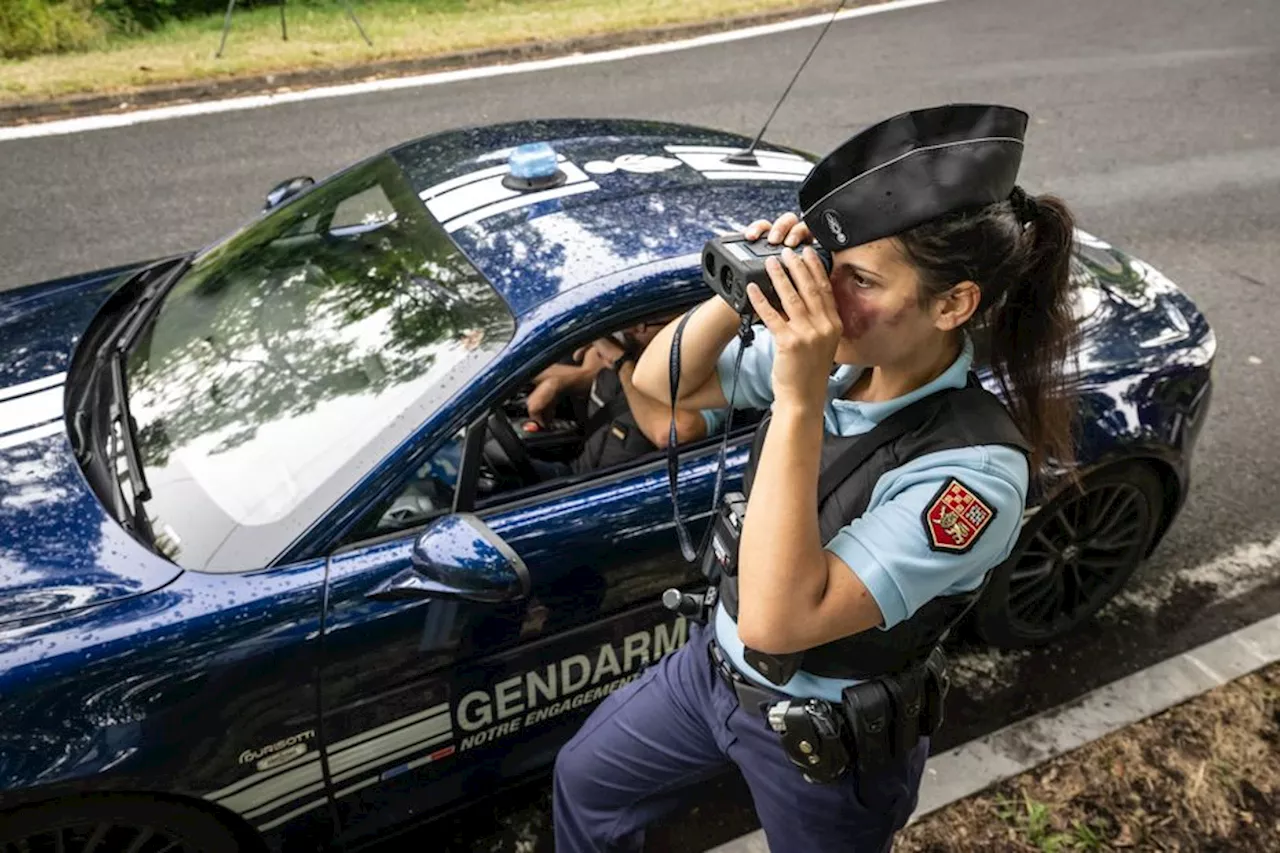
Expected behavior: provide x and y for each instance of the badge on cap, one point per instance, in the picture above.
(834, 228)
(956, 518)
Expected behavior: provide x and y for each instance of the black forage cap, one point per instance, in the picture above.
(912, 168)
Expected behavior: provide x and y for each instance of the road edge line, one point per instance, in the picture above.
(973, 767)
(103, 121)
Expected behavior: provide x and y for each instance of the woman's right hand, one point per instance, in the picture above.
(787, 229)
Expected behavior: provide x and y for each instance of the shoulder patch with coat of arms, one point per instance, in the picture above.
(956, 518)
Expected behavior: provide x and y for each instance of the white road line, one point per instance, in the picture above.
(253, 102)
(1015, 749)
(1232, 574)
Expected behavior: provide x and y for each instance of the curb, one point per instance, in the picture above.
(975, 766)
(81, 105)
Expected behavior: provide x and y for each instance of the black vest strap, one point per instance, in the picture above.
(907, 419)
(851, 466)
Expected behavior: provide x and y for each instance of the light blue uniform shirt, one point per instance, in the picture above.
(714, 419)
(888, 547)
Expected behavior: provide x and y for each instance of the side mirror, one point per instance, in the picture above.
(459, 557)
(286, 190)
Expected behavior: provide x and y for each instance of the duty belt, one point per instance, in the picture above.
(876, 724)
(751, 697)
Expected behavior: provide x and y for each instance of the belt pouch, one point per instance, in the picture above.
(906, 693)
(867, 709)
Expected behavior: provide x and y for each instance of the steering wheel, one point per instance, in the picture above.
(510, 452)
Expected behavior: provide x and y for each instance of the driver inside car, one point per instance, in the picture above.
(622, 423)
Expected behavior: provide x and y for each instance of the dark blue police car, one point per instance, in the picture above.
(277, 567)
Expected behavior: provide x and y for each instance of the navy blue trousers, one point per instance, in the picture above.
(678, 724)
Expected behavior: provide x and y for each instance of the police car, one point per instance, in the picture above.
(278, 569)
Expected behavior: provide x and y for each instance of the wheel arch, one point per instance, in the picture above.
(248, 839)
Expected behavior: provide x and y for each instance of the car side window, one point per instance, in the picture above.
(572, 421)
(428, 492)
(582, 417)
(363, 211)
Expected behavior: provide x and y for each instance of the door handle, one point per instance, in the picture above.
(407, 585)
(413, 585)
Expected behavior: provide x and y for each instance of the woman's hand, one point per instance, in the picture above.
(788, 230)
(807, 334)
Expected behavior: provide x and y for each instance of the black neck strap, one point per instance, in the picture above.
(673, 451)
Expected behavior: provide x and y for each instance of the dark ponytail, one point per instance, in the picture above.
(1019, 254)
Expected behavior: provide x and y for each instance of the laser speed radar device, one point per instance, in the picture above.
(732, 262)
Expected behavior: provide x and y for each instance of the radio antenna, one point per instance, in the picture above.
(747, 157)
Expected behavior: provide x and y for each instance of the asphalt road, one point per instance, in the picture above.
(1159, 121)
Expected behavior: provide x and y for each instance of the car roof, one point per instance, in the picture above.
(634, 192)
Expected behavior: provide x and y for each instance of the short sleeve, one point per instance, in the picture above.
(941, 523)
(754, 389)
(714, 419)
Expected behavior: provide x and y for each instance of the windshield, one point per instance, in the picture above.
(293, 357)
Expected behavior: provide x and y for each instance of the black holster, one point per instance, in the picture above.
(887, 716)
(875, 726)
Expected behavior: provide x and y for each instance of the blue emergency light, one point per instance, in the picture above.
(533, 166)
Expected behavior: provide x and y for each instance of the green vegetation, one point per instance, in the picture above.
(29, 27)
(1035, 822)
(60, 47)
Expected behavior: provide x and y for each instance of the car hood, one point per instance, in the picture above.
(59, 547)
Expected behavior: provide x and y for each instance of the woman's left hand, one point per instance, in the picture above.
(807, 334)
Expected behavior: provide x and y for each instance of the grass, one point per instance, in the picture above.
(1202, 776)
(1034, 821)
(321, 35)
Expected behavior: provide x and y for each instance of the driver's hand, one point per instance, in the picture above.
(607, 350)
(787, 229)
(542, 399)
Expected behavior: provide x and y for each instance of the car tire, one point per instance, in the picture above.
(116, 824)
(1071, 558)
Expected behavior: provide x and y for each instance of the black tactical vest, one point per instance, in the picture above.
(618, 439)
(946, 420)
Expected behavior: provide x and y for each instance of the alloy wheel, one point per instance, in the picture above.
(97, 837)
(1078, 553)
